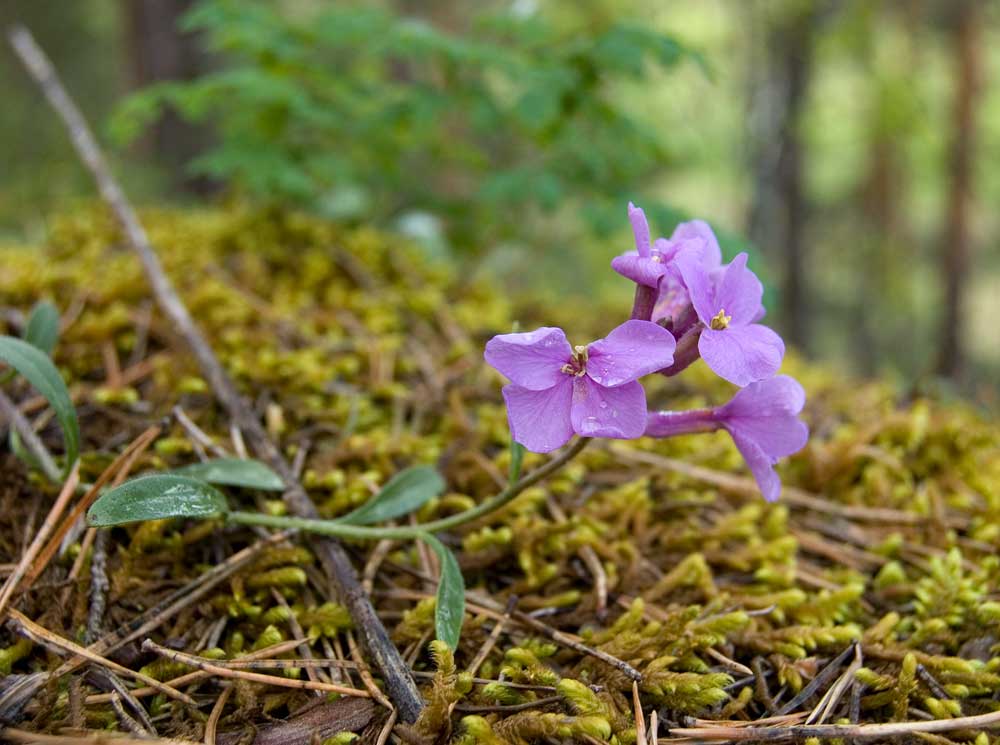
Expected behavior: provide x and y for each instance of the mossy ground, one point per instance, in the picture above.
(363, 359)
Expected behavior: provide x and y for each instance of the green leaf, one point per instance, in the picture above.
(20, 451)
(251, 474)
(34, 365)
(516, 459)
(405, 492)
(450, 610)
(42, 329)
(154, 498)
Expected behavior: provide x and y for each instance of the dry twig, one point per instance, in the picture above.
(335, 560)
(825, 731)
(224, 672)
(43, 636)
(21, 570)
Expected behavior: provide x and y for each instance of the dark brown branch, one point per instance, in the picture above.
(401, 687)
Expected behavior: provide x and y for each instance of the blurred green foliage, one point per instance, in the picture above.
(367, 112)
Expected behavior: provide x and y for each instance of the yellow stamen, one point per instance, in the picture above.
(578, 362)
(721, 320)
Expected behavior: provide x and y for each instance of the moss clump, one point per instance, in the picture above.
(362, 359)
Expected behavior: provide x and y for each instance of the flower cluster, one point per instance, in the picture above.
(688, 304)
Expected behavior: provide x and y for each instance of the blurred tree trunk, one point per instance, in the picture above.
(882, 312)
(778, 212)
(158, 50)
(955, 243)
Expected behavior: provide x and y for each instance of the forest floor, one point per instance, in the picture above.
(867, 597)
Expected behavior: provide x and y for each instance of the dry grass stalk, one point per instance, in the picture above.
(102, 737)
(21, 571)
(334, 558)
(213, 719)
(224, 672)
(41, 635)
(118, 470)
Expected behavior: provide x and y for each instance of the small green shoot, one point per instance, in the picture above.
(450, 609)
(39, 370)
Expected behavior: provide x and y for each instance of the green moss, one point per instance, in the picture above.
(366, 360)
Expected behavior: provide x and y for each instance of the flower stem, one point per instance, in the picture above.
(686, 352)
(644, 303)
(673, 423)
(366, 532)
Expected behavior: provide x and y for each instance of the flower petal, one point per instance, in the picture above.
(698, 230)
(696, 279)
(643, 270)
(742, 354)
(761, 466)
(640, 229)
(767, 412)
(618, 412)
(540, 420)
(779, 396)
(634, 349)
(532, 360)
(739, 292)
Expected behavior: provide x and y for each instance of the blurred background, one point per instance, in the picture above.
(849, 145)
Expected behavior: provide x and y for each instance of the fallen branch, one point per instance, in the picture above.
(400, 684)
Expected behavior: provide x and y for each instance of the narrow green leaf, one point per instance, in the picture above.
(516, 459)
(405, 492)
(42, 328)
(39, 370)
(154, 498)
(20, 451)
(450, 610)
(251, 474)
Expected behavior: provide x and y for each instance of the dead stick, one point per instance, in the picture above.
(856, 731)
(185, 596)
(10, 586)
(119, 469)
(198, 675)
(826, 675)
(41, 635)
(224, 672)
(399, 682)
(87, 737)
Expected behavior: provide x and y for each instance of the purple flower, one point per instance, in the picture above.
(694, 231)
(762, 419)
(731, 343)
(694, 235)
(763, 422)
(557, 389)
(646, 264)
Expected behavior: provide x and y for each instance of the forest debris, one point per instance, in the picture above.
(43, 636)
(224, 672)
(335, 560)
